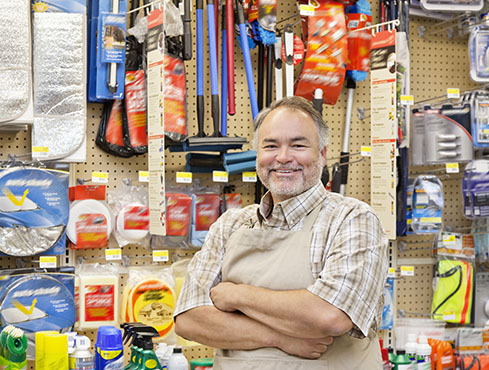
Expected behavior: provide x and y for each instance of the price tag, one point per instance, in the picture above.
(143, 176)
(100, 177)
(453, 93)
(184, 177)
(449, 240)
(249, 176)
(449, 317)
(391, 273)
(407, 270)
(407, 100)
(47, 262)
(306, 10)
(114, 254)
(160, 256)
(452, 168)
(429, 220)
(220, 176)
(365, 151)
(40, 151)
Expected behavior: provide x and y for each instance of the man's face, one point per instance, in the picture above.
(288, 158)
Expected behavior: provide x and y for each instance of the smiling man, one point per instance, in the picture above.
(294, 282)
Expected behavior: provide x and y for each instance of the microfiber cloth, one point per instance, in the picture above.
(15, 59)
(59, 83)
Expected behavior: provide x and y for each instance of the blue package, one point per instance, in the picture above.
(475, 186)
(35, 301)
(427, 205)
(388, 309)
(34, 211)
(60, 6)
(480, 119)
(479, 54)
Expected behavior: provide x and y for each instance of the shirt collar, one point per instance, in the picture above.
(291, 210)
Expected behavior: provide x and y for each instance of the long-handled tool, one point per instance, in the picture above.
(187, 31)
(279, 94)
(247, 58)
(224, 76)
(289, 61)
(230, 54)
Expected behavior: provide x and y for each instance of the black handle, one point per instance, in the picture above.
(345, 162)
(261, 75)
(200, 115)
(187, 31)
(270, 59)
(215, 114)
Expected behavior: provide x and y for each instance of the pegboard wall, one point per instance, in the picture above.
(437, 63)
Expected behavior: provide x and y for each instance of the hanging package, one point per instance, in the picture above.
(113, 133)
(34, 300)
(427, 205)
(205, 211)
(452, 5)
(34, 211)
(475, 189)
(15, 59)
(478, 54)
(453, 291)
(480, 119)
(59, 83)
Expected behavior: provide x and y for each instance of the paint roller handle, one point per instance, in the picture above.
(247, 59)
(187, 31)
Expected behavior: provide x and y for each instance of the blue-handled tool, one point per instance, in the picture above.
(200, 67)
(211, 25)
(247, 58)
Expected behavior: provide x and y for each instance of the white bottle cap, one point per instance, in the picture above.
(82, 342)
(71, 341)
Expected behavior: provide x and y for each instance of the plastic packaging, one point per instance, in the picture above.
(99, 295)
(427, 205)
(423, 354)
(82, 358)
(109, 349)
(177, 360)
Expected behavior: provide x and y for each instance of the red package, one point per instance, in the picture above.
(135, 99)
(91, 231)
(178, 214)
(326, 55)
(206, 211)
(359, 43)
(99, 303)
(136, 218)
(233, 200)
(174, 92)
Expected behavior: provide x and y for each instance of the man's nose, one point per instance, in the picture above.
(284, 154)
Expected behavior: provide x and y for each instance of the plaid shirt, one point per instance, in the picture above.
(348, 253)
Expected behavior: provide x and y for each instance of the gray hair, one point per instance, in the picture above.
(299, 104)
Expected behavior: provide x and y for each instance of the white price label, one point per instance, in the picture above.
(407, 270)
(453, 93)
(306, 10)
(365, 151)
(47, 262)
(449, 240)
(143, 176)
(391, 273)
(249, 176)
(220, 176)
(407, 100)
(449, 317)
(40, 151)
(114, 254)
(184, 177)
(452, 168)
(160, 256)
(100, 177)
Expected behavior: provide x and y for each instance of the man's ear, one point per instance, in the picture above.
(323, 155)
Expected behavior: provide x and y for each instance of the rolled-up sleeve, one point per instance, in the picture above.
(355, 268)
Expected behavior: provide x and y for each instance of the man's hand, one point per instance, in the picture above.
(224, 296)
(307, 348)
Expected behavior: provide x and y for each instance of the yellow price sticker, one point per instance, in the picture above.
(100, 177)
(427, 220)
(306, 10)
(407, 99)
(40, 151)
(160, 256)
(407, 270)
(143, 176)
(365, 151)
(391, 273)
(453, 93)
(47, 261)
(449, 239)
(113, 254)
(452, 168)
(249, 176)
(220, 176)
(184, 177)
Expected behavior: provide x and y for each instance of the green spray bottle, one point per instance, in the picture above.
(3, 339)
(149, 361)
(16, 350)
(130, 331)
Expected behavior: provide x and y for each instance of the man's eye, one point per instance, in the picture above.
(269, 146)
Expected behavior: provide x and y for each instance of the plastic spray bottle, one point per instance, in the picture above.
(16, 350)
(411, 346)
(149, 361)
(109, 349)
(3, 339)
(130, 332)
(82, 358)
(402, 362)
(423, 354)
(177, 360)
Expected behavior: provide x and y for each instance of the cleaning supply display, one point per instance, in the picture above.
(34, 211)
(149, 298)
(442, 134)
(453, 291)
(149, 360)
(427, 205)
(59, 55)
(15, 350)
(326, 55)
(35, 300)
(99, 294)
(410, 347)
(90, 224)
(82, 358)
(109, 350)
(401, 361)
(177, 360)
(129, 203)
(441, 354)
(15, 74)
(141, 344)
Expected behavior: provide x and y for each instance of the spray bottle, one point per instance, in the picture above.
(109, 349)
(82, 358)
(149, 361)
(130, 331)
(423, 354)
(16, 350)
(3, 339)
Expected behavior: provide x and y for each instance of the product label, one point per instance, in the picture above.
(206, 211)
(178, 211)
(174, 96)
(91, 230)
(114, 38)
(154, 303)
(109, 355)
(135, 90)
(297, 52)
(150, 364)
(82, 363)
(113, 130)
(136, 218)
(233, 200)
(99, 303)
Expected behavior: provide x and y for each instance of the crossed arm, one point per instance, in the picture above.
(248, 317)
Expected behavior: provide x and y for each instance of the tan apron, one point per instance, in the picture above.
(279, 260)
